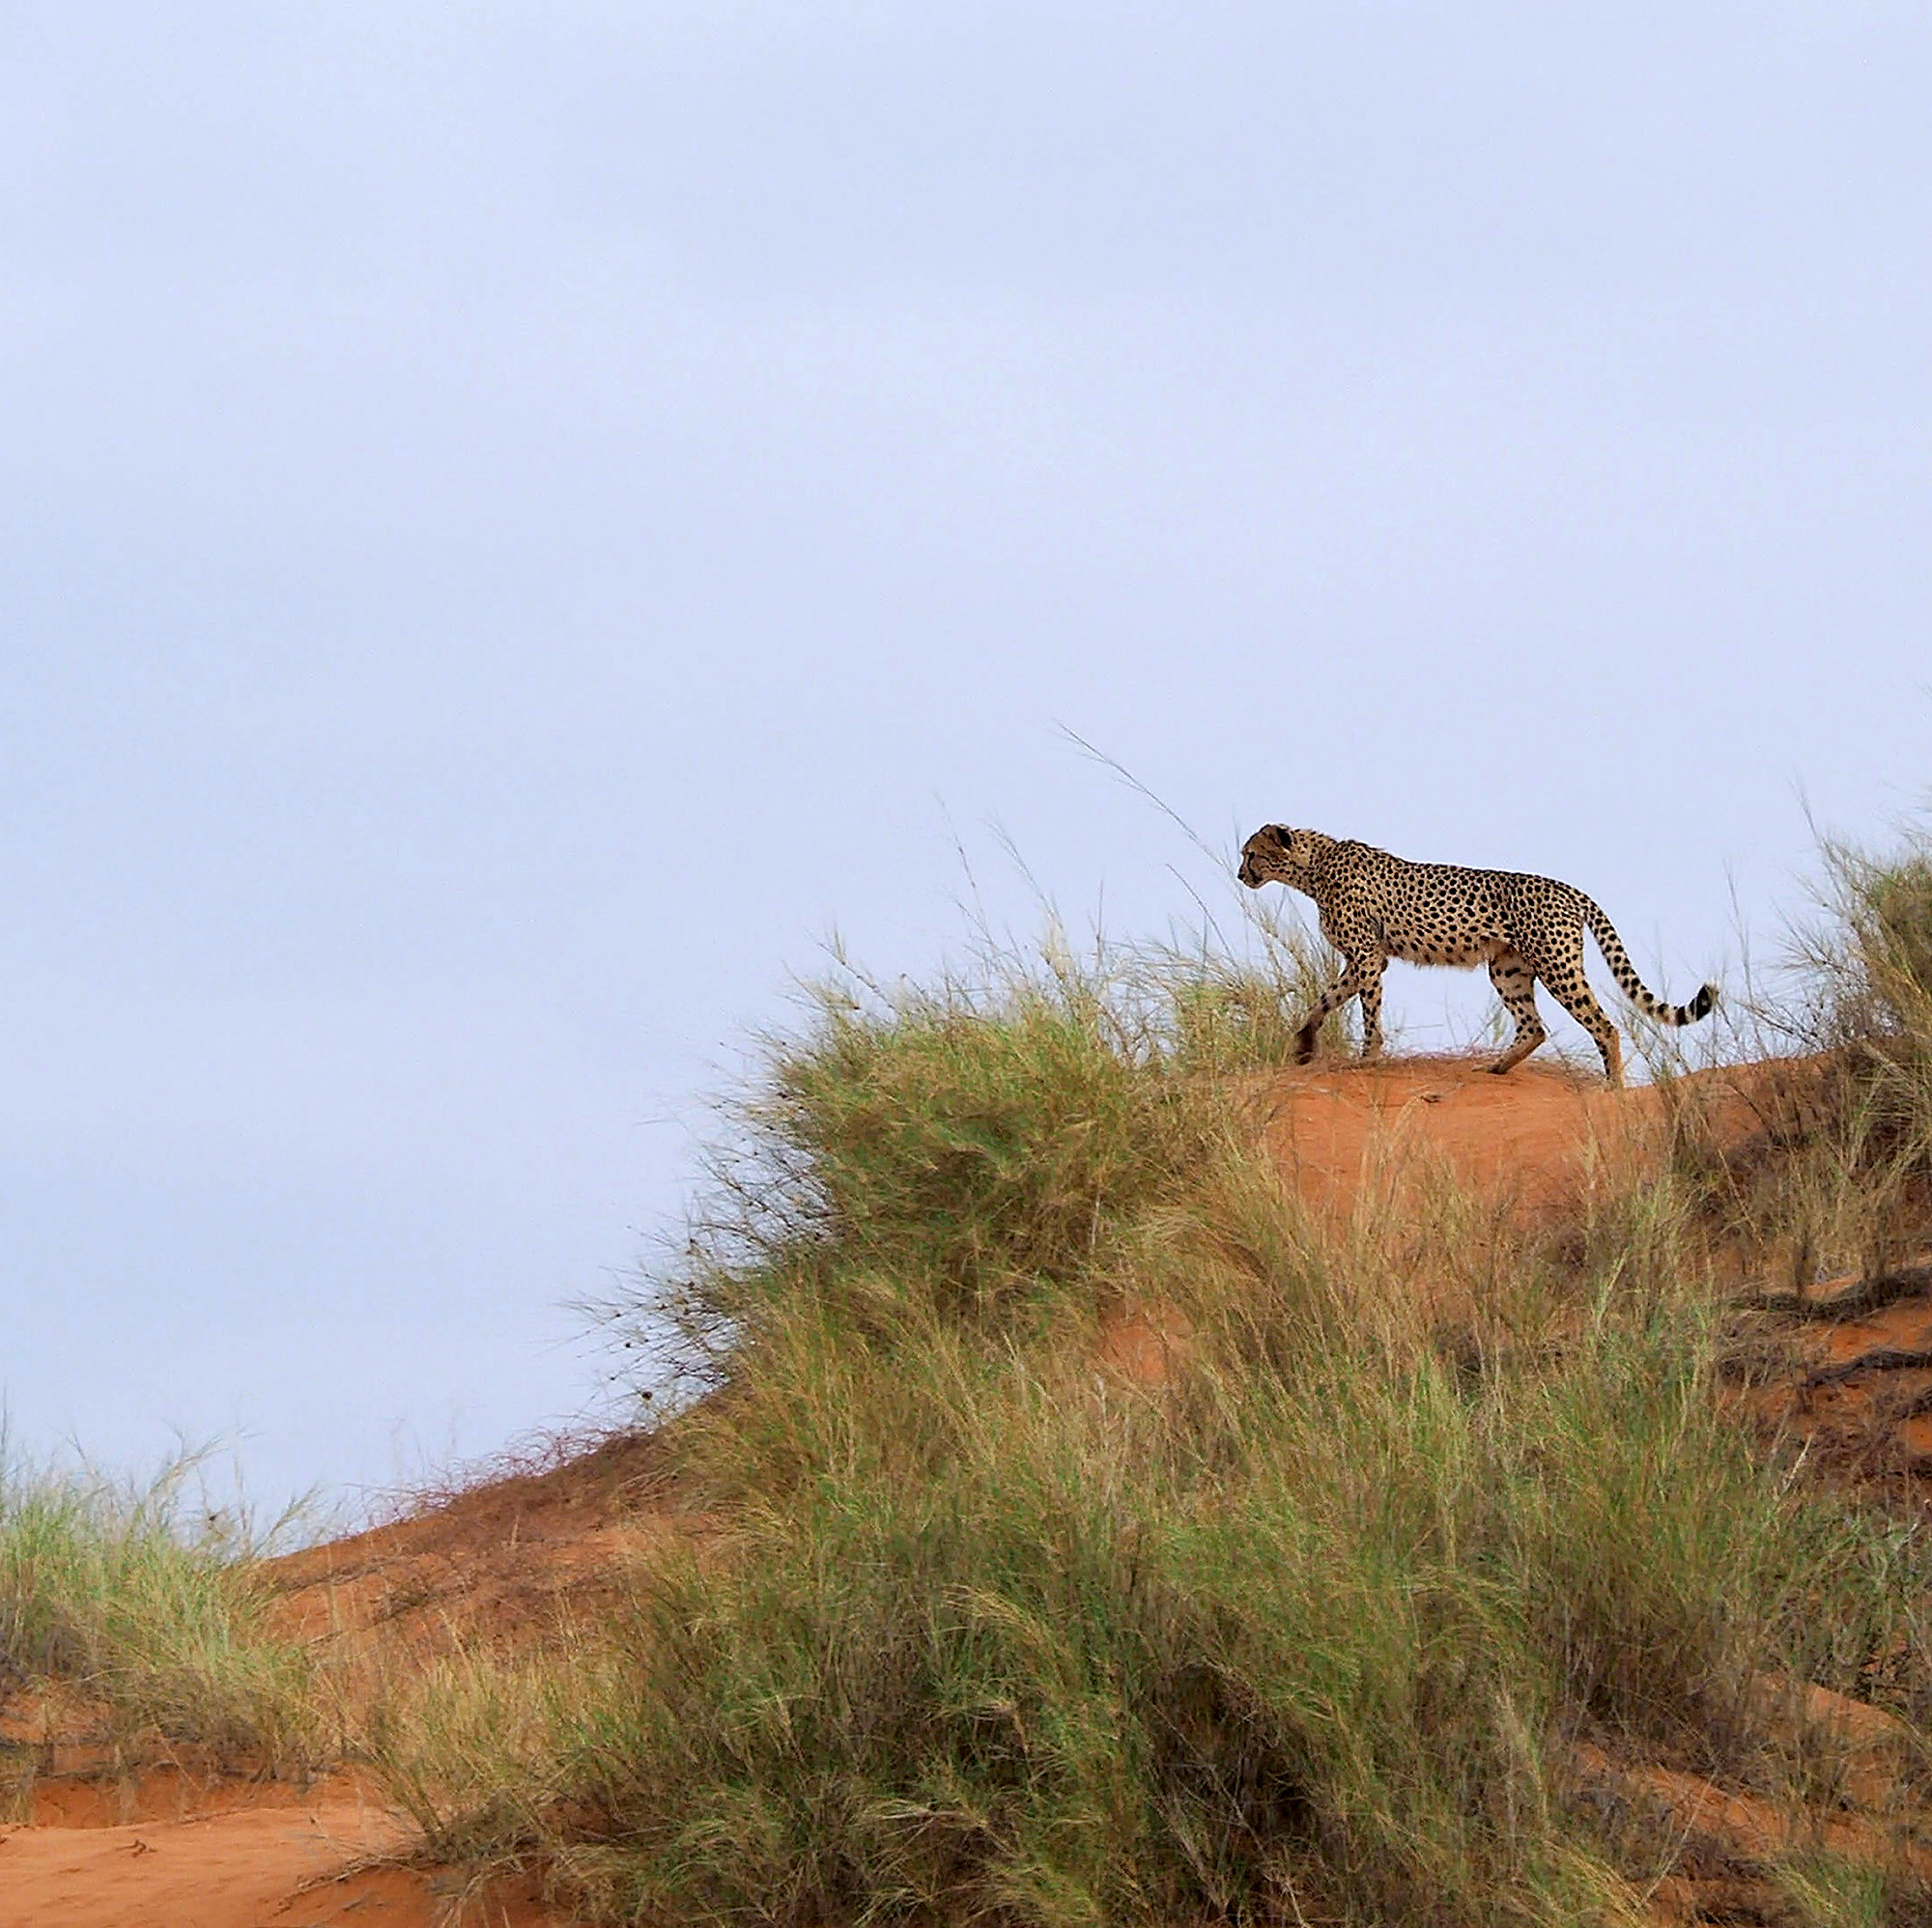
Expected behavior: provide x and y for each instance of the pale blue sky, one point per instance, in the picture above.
(518, 520)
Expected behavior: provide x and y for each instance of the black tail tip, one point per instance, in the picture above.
(1703, 1003)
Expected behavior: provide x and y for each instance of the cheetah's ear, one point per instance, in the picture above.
(1281, 833)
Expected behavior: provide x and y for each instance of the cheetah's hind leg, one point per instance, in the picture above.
(1516, 985)
(1572, 990)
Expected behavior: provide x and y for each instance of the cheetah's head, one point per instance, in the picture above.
(1276, 855)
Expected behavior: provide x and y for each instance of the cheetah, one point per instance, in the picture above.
(1373, 906)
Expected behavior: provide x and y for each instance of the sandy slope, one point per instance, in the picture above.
(1333, 1127)
(1536, 1136)
(168, 1851)
(225, 1871)
(177, 1851)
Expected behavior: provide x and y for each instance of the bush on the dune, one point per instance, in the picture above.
(1307, 1632)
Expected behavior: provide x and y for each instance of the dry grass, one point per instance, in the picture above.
(106, 1589)
(1840, 1178)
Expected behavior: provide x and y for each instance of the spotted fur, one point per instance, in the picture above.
(1373, 906)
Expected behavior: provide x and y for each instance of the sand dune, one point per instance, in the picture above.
(491, 1564)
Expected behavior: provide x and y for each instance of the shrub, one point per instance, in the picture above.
(1307, 1632)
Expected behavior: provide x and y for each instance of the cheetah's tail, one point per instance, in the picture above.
(1624, 973)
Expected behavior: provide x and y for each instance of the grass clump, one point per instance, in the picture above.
(105, 1589)
(991, 1157)
(1838, 1179)
(977, 1154)
(1315, 1628)
(1320, 1646)
(1874, 1013)
(1875, 967)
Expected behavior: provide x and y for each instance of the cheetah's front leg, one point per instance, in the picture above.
(1348, 985)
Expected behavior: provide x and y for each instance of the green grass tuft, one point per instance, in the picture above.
(103, 1587)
